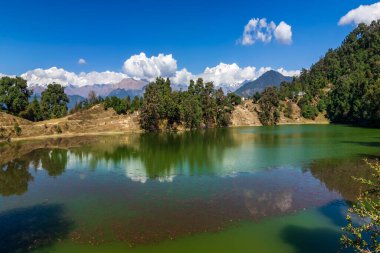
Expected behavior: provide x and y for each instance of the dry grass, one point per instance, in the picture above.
(92, 121)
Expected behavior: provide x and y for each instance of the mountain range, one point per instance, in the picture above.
(126, 87)
(131, 87)
(268, 79)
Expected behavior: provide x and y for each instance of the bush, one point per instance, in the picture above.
(289, 110)
(309, 112)
(234, 98)
(57, 129)
(17, 129)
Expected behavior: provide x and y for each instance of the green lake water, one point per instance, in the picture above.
(258, 189)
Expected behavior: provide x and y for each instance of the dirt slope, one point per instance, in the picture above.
(245, 114)
(94, 120)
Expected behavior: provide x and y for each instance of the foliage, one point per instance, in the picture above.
(14, 94)
(365, 236)
(345, 82)
(122, 105)
(17, 129)
(256, 97)
(200, 106)
(89, 102)
(289, 110)
(269, 103)
(54, 101)
(309, 111)
(32, 111)
(58, 129)
(234, 98)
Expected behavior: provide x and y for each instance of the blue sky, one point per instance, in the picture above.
(198, 33)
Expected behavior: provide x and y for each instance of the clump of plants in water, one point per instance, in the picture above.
(364, 236)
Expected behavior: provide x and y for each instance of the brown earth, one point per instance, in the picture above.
(246, 114)
(96, 120)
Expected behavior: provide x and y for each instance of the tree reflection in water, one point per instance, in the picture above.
(14, 177)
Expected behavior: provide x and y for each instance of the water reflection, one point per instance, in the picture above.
(217, 178)
(14, 177)
(336, 175)
(160, 156)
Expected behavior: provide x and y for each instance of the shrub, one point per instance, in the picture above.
(364, 237)
(17, 129)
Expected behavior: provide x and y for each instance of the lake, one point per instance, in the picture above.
(257, 189)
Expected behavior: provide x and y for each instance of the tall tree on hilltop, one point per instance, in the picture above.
(14, 94)
(54, 101)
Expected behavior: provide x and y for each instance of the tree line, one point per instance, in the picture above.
(345, 83)
(15, 95)
(200, 106)
(14, 99)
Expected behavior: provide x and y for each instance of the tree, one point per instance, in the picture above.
(54, 101)
(208, 104)
(309, 111)
(152, 108)
(191, 112)
(14, 94)
(269, 102)
(289, 110)
(200, 106)
(234, 98)
(256, 97)
(225, 106)
(33, 111)
(365, 236)
(345, 82)
(92, 99)
(135, 104)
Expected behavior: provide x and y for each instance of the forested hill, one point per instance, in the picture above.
(345, 81)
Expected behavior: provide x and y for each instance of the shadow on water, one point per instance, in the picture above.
(30, 228)
(316, 240)
(311, 240)
(375, 144)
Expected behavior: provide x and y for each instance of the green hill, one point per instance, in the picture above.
(345, 82)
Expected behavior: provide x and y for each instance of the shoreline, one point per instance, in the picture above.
(105, 133)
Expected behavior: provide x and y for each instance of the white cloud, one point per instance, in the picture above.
(283, 33)
(142, 67)
(288, 72)
(59, 75)
(257, 29)
(228, 74)
(260, 30)
(182, 76)
(363, 14)
(82, 61)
